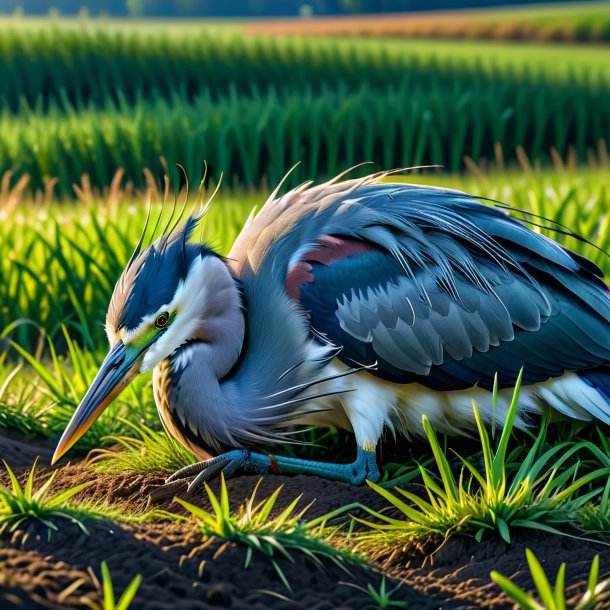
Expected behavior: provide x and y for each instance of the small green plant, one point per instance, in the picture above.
(381, 598)
(594, 517)
(108, 599)
(125, 599)
(553, 597)
(542, 494)
(254, 526)
(23, 506)
(147, 451)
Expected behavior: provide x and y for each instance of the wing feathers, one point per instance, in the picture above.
(454, 292)
(431, 284)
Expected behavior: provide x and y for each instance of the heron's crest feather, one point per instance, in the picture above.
(152, 274)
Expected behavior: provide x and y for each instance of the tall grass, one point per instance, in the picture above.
(96, 63)
(546, 491)
(93, 100)
(41, 398)
(261, 133)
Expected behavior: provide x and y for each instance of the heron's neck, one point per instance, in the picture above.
(211, 313)
(188, 385)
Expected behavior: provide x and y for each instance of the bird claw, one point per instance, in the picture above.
(227, 463)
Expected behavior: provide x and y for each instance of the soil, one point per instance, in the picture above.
(63, 570)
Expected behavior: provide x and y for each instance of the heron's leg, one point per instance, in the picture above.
(364, 467)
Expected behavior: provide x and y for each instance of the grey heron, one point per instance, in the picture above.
(356, 303)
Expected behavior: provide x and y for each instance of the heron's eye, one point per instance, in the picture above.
(162, 320)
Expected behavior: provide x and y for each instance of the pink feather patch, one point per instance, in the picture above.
(328, 250)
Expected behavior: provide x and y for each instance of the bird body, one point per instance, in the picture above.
(362, 305)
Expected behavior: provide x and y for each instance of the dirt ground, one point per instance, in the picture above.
(62, 571)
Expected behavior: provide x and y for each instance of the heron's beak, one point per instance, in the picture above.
(119, 368)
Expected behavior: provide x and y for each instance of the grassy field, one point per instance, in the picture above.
(572, 22)
(582, 21)
(92, 100)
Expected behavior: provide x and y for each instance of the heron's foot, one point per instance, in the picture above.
(226, 463)
(364, 467)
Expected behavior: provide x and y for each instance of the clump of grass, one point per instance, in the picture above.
(146, 451)
(58, 387)
(553, 597)
(594, 518)
(24, 506)
(126, 598)
(106, 594)
(542, 494)
(255, 527)
(381, 598)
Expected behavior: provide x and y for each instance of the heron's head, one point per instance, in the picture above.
(155, 308)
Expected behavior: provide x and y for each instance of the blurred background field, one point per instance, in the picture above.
(94, 99)
(99, 100)
(577, 21)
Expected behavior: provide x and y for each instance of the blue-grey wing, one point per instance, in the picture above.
(449, 313)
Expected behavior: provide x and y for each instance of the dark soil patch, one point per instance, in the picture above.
(459, 570)
(177, 572)
(35, 571)
(20, 450)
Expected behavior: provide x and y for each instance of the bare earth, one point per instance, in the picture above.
(35, 571)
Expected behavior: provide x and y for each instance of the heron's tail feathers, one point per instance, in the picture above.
(599, 379)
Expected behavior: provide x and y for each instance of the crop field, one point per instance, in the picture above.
(92, 116)
(93, 101)
(577, 21)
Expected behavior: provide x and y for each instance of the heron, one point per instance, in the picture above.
(361, 304)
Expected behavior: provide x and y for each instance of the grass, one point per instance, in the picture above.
(553, 597)
(23, 506)
(109, 598)
(258, 134)
(93, 100)
(381, 597)
(263, 530)
(145, 450)
(106, 599)
(103, 61)
(127, 597)
(41, 399)
(534, 487)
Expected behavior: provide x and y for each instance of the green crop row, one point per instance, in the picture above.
(92, 65)
(248, 137)
(59, 263)
(90, 100)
